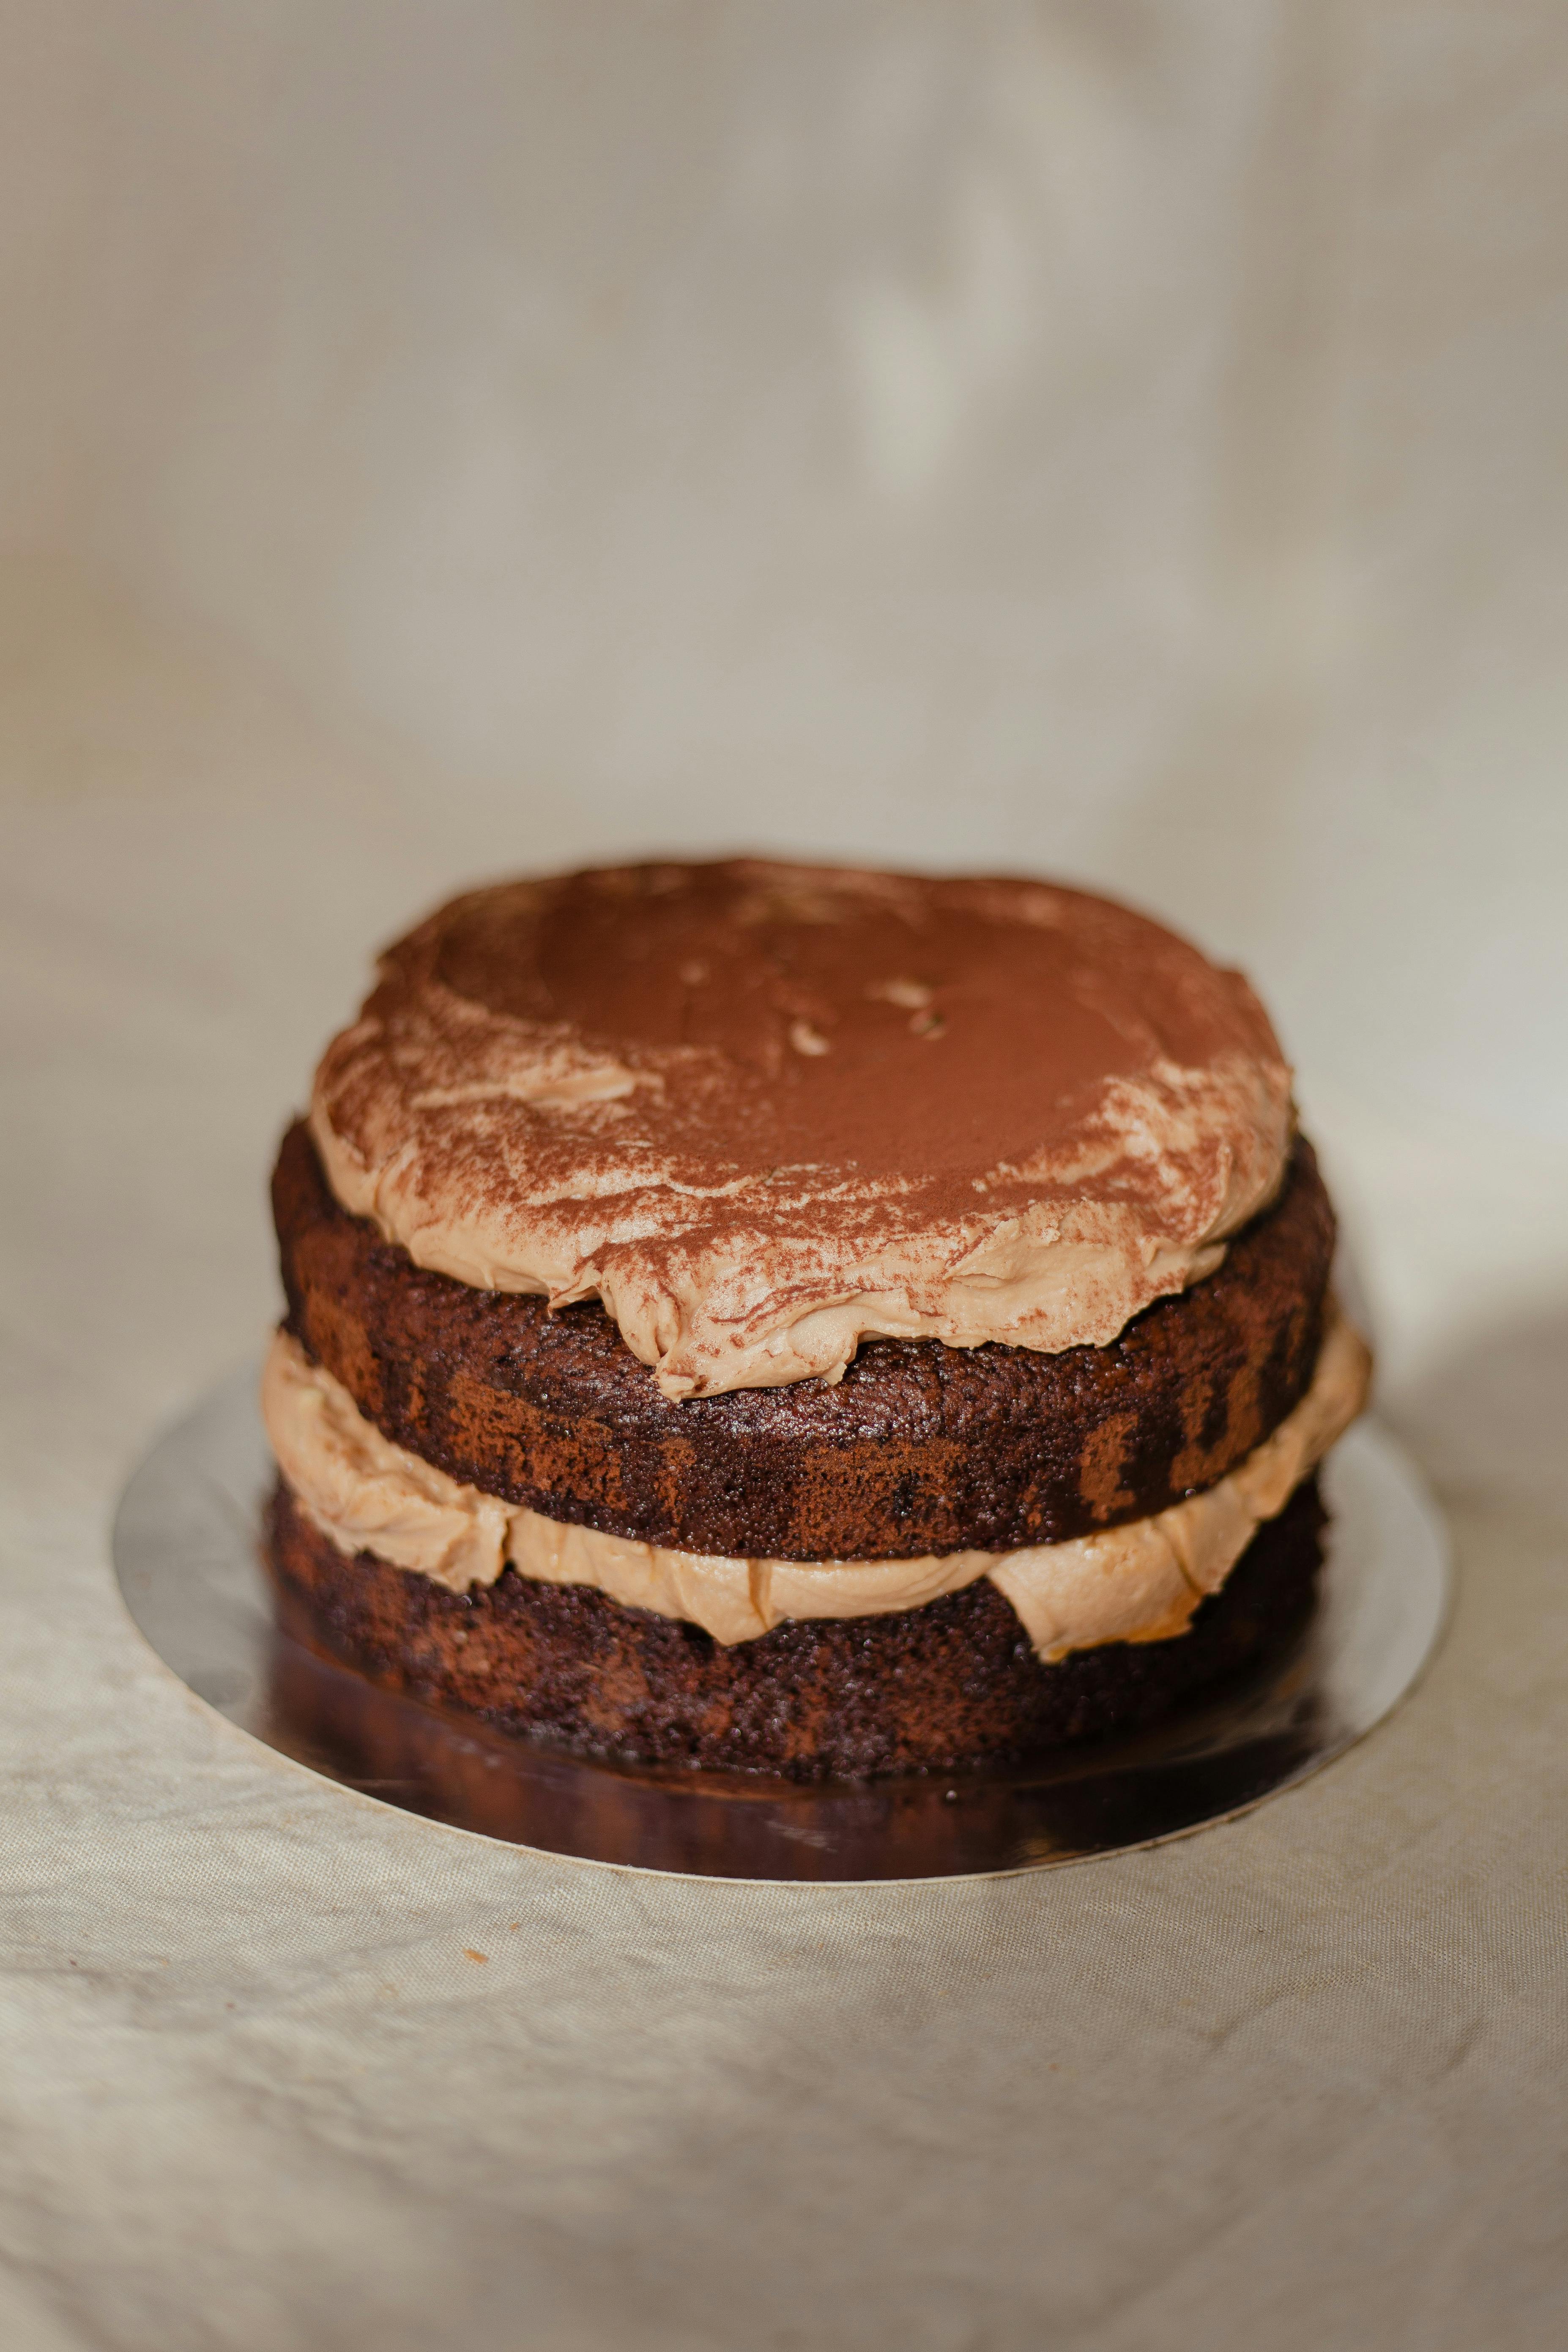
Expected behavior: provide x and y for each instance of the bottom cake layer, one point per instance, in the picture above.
(934, 1688)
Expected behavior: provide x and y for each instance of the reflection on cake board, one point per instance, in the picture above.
(186, 1555)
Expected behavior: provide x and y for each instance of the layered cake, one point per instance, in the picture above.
(803, 1320)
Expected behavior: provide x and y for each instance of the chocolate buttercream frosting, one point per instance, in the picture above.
(764, 1111)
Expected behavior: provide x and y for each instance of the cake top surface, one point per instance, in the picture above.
(762, 1110)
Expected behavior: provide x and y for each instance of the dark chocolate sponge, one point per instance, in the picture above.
(951, 1684)
(921, 1448)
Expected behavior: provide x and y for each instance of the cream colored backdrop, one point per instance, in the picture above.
(1126, 436)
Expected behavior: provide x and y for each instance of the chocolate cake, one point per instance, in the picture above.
(802, 1320)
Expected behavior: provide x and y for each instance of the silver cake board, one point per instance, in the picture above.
(187, 1555)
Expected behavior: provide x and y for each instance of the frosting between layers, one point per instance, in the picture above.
(1138, 1582)
(763, 1111)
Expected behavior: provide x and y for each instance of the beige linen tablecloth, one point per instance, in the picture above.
(1116, 439)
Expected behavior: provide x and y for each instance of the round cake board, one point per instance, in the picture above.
(187, 1554)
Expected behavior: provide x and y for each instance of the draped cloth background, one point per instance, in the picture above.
(1119, 438)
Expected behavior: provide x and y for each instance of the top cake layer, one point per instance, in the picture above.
(764, 1111)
